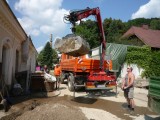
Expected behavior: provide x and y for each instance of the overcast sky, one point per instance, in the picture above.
(40, 18)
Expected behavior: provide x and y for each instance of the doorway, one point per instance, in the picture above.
(17, 61)
(5, 66)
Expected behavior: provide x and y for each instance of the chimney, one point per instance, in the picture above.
(51, 40)
(145, 27)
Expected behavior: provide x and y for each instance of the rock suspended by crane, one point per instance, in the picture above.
(72, 45)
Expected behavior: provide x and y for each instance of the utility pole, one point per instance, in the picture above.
(51, 40)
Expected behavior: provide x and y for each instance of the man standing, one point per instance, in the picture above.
(57, 72)
(128, 87)
(45, 69)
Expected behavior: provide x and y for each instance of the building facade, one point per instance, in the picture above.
(17, 52)
(143, 36)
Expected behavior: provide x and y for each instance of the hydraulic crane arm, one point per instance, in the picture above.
(75, 16)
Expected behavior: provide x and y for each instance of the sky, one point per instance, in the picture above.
(40, 18)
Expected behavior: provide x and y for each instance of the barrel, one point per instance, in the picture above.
(154, 94)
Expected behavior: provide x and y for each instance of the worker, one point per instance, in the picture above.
(128, 87)
(57, 72)
(45, 69)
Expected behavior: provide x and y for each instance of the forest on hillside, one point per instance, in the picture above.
(113, 29)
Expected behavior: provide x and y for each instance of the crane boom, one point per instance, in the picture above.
(77, 15)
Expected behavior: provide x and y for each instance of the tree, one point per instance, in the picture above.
(106, 24)
(137, 22)
(46, 56)
(155, 24)
(55, 57)
(41, 60)
(89, 31)
(115, 30)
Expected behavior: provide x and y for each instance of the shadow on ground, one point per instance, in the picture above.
(84, 100)
(101, 93)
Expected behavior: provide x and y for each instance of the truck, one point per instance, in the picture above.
(83, 71)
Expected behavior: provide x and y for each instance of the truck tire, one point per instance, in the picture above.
(71, 83)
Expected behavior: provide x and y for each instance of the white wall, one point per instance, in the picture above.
(31, 63)
(137, 71)
(7, 67)
(10, 59)
(12, 36)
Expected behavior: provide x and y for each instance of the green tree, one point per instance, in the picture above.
(106, 24)
(89, 31)
(137, 22)
(155, 24)
(55, 57)
(42, 61)
(46, 56)
(115, 30)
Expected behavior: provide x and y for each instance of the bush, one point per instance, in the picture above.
(145, 58)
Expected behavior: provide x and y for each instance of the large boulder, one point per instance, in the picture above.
(72, 45)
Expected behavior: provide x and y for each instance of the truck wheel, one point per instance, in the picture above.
(71, 83)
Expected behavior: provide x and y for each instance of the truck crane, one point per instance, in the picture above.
(79, 15)
(86, 72)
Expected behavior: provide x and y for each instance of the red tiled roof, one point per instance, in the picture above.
(148, 36)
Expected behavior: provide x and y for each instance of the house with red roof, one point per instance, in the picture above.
(140, 36)
(144, 36)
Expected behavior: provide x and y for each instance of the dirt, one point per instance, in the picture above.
(22, 109)
(54, 111)
(118, 109)
(67, 108)
(84, 107)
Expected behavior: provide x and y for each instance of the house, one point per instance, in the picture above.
(141, 36)
(17, 52)
(144, 36)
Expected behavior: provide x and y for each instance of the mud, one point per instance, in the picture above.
(118, 109)
(22, 109)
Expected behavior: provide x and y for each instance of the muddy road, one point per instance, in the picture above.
(93, 106)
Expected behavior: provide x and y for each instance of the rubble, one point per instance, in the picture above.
(72, 45)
